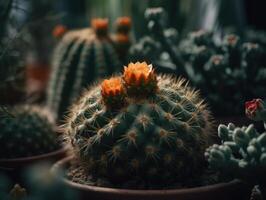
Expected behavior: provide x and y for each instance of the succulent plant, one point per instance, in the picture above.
(80, 58)
(140, 126)
(159, 45)
(242, 153)
(26, 131)
(222, 68)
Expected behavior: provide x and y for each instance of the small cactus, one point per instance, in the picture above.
(26, 131)
(157, 132)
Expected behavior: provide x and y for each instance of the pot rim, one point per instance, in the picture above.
(61, 150)
(62, 163)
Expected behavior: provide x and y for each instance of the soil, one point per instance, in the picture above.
(77, 174)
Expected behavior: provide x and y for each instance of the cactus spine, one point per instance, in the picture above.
(156, 134)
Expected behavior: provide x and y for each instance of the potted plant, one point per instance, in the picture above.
(242, 153)
(27, 136)
(142, 136)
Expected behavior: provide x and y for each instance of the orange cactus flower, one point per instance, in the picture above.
(141, 77)
(59, 31)
(123, 25)
(99, 23)
(113, 92)
(123, 21)
(112, 87)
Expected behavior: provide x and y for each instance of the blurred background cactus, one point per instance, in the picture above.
(10, 55)
(26, 131)
(80, 58)
(231, 66)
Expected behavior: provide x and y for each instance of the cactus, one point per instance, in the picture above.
(140, 126)
(80, 58)
(222, 68)
(242, 153)
(159, 45)
(10, 55)
(26, 131)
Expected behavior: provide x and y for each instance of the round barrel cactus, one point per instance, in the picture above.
(26, 131)
(140, 126)
(80, 58)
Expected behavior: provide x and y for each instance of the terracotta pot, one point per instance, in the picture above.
(222, 191)
(14, 167)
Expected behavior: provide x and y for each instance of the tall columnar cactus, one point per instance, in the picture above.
(140, 127)
(222, 68)
(242, 153)
(26, 131)
(80, 58)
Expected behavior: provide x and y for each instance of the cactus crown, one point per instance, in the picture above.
(123, 25)
(140, 79)
(59, 31)
(158, 133)
(100, 26)
(113, 93)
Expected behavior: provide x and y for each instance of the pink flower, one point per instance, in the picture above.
(252, 107)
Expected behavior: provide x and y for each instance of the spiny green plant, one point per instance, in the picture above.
(242, 153)
(80, 58)
(140, 127)
(26, 131)
(159, 45)
(228, 67)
